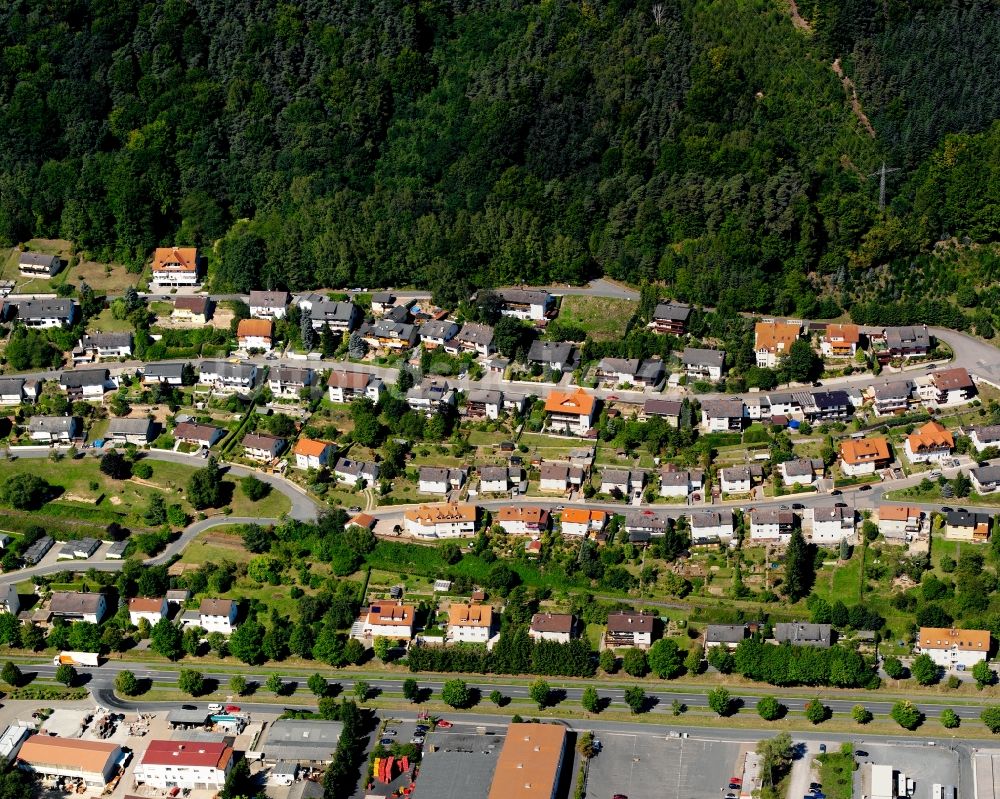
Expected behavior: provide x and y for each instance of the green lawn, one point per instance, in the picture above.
(836, 775)
(602, 318)
(104, 322)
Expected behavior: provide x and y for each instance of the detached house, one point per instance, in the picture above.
(840, 341)
(203, 435)
(484, 404)
(386, 334)
(192, 310)
(255, 334)
(631, 371)
(952, 648)
(262, 447)
(961, 525)
(523, 520)
(106, 345)
(570, 412)
(389, 620)
(175, 266)
(832, 524)
(642, 525)
(801, 634)
(680, 483)
(767, 524)
(472, 338)
(86, 384)
(347, 386)
(931, 442)
(313, 454)
(169, 374)
(985, 436)
(773, 341)
(668, 410)
(501, 479)
(723, 415)
(339, 317)
(353, 472)
(525, 304)
(434, 480)
(893, 397)
(430, 396)
(559, 356)
(223, 375)
(623, 482)
(46, 313)
(152, 610)
(469, 624)
(55, 429)
(131, 431)
(37, 265)
(740, 479)
(865, 456)
(907, 342)
(268, 304)
(218, 615)
(445, 520)
(437, 333)
(702, 364)
(985, 479)
(78, 606)
(580, 522)
(901, 522)
(709, 526)
(560, 477)
(629, 628)
(670, 318)
(289, 381)
(556, 627)
(802, 471)
(17, 390)
(950, 387)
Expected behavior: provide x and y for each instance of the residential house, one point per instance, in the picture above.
(289, 381)
(892, 397)
(88, 385)
(10, 602)
(669, 410)
(771, 524)
(864, 456)
(388, 620)
(436, 333)
(962, 525)
(646, 373)
(484, 404)
(106, 345)
(35, 264)
(472, 338)
(218, 615)
(783, 403)
(723, 415)
(430, 396)
(930, 442)
(175, 266)
(949, 387)
(139, 431)
(382, 301)
(269, 304)
(901, 522)
(907, 342)
(46, 313)
(985, 436)
(571, 413)
(78, 606)
(832, 524)
(828, 405)
(202, 435)
(262, 447)
(223, 375)
(580, 522)
(558, 627)
(434, 480)
(559, 356)
(168, 765)
(354, 472)
(501, 479)
(740, 479)
(523, 520)
(702, 364)
(444, 520)
(192, 310)
(148, 608)
(345, 386)
(525, 304)
(169, 374)
(985, 479)
(952, 648)
(514, 403)
(802, 634)
(339, 317)
(469, 624)
(642, 525)
(680, 483)
(18, 390)
(709, 526)
(629, 628)
(801, 471)
(623, 482)
(313, 454)
(670, 318)
(55, 429)
(773, 341)
(560, 477)
(840, 341)
(255, 334)
(729, 636)
(385, 334)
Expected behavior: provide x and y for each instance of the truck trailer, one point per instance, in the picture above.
(75, 659)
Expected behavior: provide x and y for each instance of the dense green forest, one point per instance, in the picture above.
(707, 144)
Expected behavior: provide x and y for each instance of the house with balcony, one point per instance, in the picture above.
(192, 311)
(38, 265)
(167, 374)
(382, 302)
(255, 334)
(629, 628)
(339, 317)
(262, 447)
(269, 304)
(680, 483)
(963, 525)
(484, 404)
(353, 472)
(523, 520)
(140, 431)
(911, 341)
(669, 317)
(635, 372)
(311, 453)
(985, 436)
(951, 648)
(436, 480)
(175, 266)
(88, 385)
(864, 456)
(772, 524)
(289, 381)
(469, 623)
(930, 442)
(723, 415)
(18, 390)
(430, 396)
(526, 304)
(902, 522)
(47, 313)
(773, 341)
(472, 337)
(55, 429)
(832, 524)
(668, 410)
(710, 526)
(828, 406)
(703, 364)
(443, 520)
(105, 345)
(559, 356)
(78, 606)
(201, 435)
(985, 479)
(643, 525)
(385, 335)
(840, 341)
(802, 471)
(227, 376)
(948, 387)
(346, 386)
(570, 412)
(435, 333)
(740, 479)
(558, 627)
(392, 620)
(892, 397)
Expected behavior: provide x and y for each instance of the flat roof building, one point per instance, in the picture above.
(302, 741)
(530, 762)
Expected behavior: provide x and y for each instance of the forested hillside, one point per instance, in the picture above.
(704, 143)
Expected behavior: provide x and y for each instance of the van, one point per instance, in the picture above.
(215, 707)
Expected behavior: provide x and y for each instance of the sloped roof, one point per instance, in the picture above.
(578, 403)
(263, 328)
(175, 259)
(865, 450)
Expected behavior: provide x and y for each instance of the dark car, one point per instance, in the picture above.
(946, 509)
(386, 742)
(836, 492)
(822, 748)
(797, 506)
(189, 707)
(815, 786)
(861, 753)
(865, 488)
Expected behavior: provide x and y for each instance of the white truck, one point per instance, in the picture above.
(75, 659)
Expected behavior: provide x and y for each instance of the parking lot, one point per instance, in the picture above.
(923, 764)
(651, 767)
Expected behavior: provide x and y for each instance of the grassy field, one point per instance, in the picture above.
(836, 775)
(602, 318)
(104, 322)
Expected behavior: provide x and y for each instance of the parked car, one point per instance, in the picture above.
(445, 725)
(386, 742)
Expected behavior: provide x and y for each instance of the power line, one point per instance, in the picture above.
(883, 171)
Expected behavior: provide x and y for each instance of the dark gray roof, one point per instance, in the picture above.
(907, 337)
(291, 374)
(240, 371)
(106, 340)
(772, 516)
(723, 408)
(78, 378)
(472, 333)
(726, 633)
(268, 299)
(164, 370)
(671, 312)
(733, 473)
(438, 328)
(831, 399)
(330, 311)
(963, 518)
(551, 352)
(486, 396)
(987, 474)
(695, 356)
(74, 602)
(523, 296)
(388, 328)
(434, 474)
(45, 309)
(832, 513)
(711, 518)
(383, 297)
(11, 385)
(37, 259)
(800, 467)
(301, 739)
(364, 469)
(179, 715)
(987, 433)
(130, 427)
(898, 389)
(646, 520)
(493, 474)
(53, 424)
(661, 407)
(803, 634)
(458, 767)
